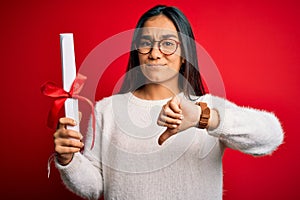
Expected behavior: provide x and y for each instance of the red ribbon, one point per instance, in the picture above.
(59, 95)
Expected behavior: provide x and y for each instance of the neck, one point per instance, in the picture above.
(153, 91)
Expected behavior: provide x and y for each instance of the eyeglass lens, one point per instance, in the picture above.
(166, 46)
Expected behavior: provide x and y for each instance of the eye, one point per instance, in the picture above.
(168, 43)
(145, 43)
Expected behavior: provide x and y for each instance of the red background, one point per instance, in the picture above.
(255, 45)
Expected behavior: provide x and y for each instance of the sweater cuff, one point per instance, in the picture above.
(219, 106)
(71, 167)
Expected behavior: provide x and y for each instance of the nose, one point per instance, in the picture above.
(155, 52)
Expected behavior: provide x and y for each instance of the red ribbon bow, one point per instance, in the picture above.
(51, 89)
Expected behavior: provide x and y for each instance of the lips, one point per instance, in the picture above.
(155, 65)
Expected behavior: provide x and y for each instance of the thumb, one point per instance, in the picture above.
(165, 135)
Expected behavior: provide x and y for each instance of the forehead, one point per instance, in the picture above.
(159, 26)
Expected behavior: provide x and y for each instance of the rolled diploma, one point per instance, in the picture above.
(69, 75)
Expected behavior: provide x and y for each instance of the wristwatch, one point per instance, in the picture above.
(205, 115)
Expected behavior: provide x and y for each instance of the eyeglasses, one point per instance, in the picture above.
(165, 46)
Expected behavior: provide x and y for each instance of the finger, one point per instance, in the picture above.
(163, 123)
(61, 150)
(174, 105)
(165, 135)
(64, 142)
(166, 110)
(66, 121)
(169, 120)
(66, 133)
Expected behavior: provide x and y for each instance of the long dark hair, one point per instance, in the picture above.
(190, 82)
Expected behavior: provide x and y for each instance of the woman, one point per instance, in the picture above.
(134, 156)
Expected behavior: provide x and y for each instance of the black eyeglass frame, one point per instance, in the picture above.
(159, 45)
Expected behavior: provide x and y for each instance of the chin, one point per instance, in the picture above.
(160, 79)
(152, 79)
(159, 75)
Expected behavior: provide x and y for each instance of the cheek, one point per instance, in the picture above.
(176, 60)
(142, 59)
(175, 63)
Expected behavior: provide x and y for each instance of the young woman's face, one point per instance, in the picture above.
(156, 65)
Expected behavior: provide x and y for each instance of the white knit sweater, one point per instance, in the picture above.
(128, 164)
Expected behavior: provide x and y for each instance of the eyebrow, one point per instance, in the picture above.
(167, 36)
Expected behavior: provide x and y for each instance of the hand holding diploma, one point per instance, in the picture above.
(67, 138)
(67, 141)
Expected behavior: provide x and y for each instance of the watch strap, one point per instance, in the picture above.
(205, 115)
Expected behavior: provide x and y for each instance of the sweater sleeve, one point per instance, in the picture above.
(83, 175)
(249, 130)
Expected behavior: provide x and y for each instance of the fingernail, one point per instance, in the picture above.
(181, 117)
(178, 121)
(74, 122)
(174, 125)
(80, 136)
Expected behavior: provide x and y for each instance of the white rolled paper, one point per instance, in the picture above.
(69, 75)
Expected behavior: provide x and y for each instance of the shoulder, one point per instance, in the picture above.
(107, 102)
(207, 98)
(210, 97)
(216, 101)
